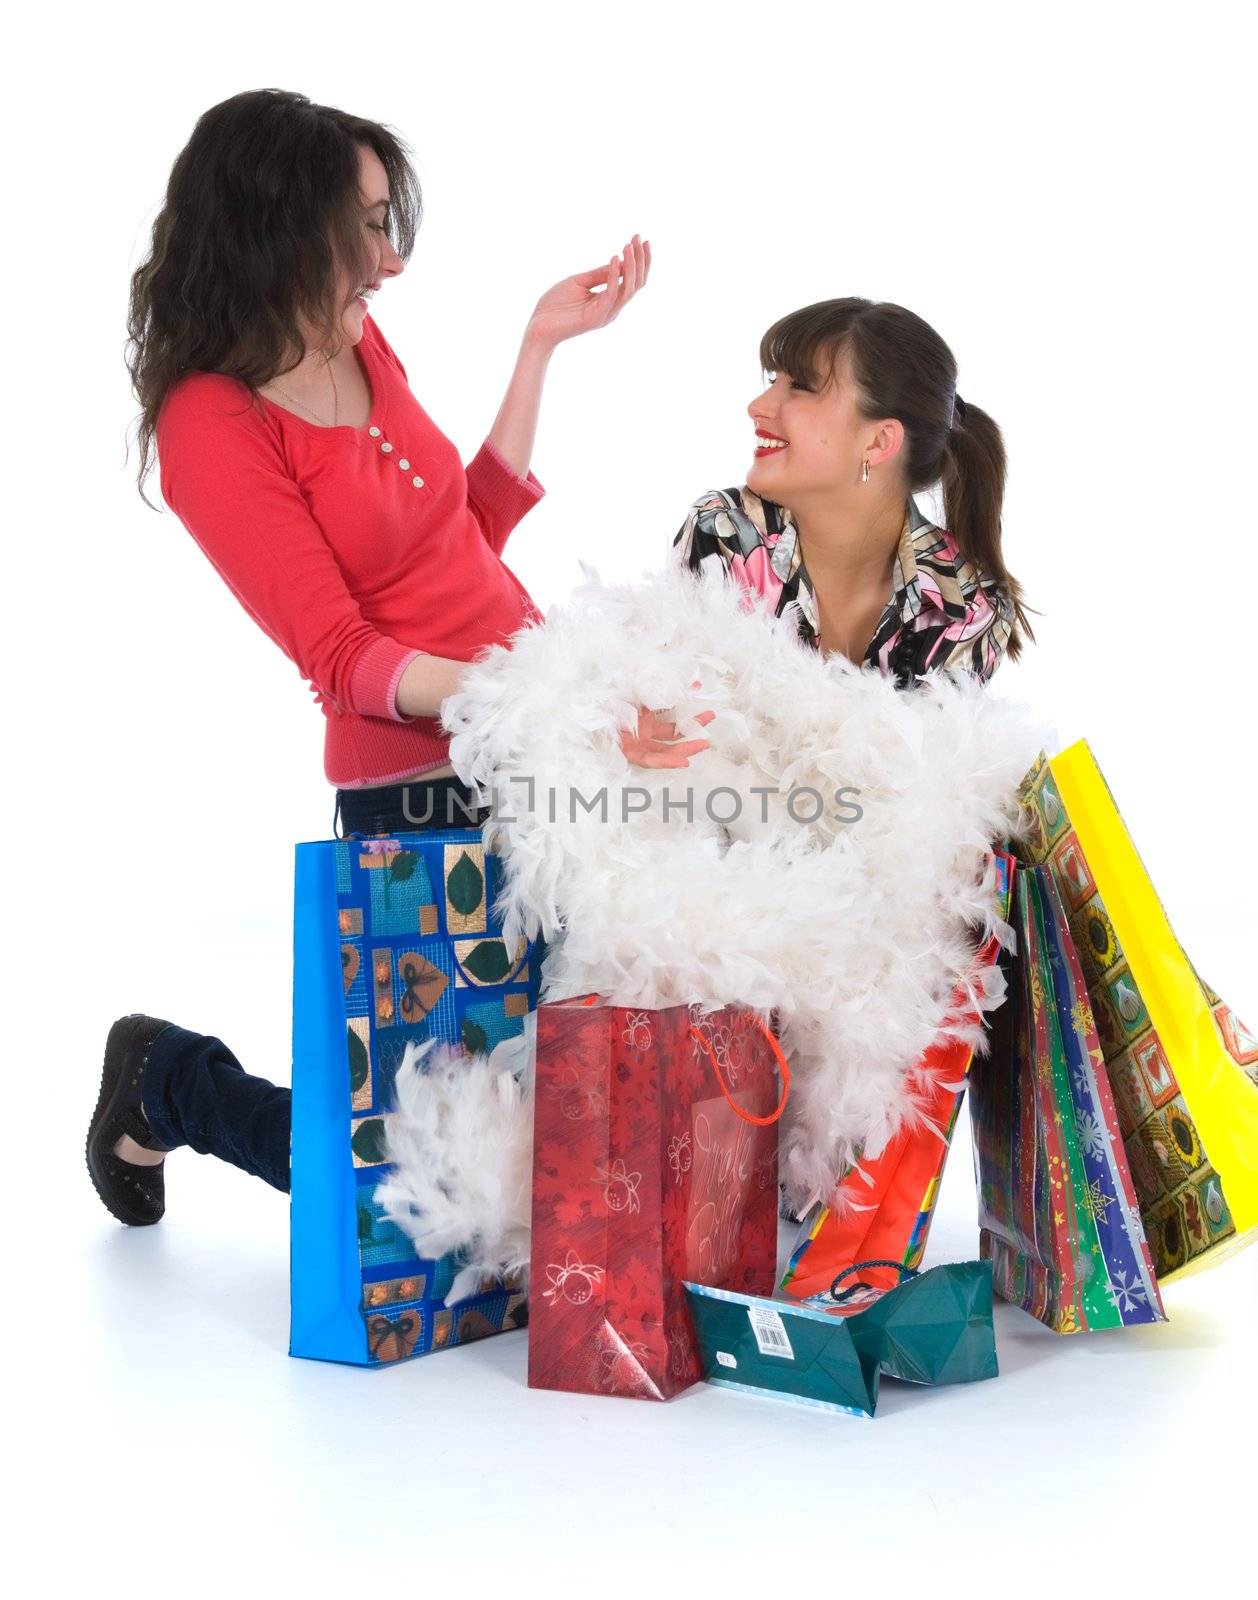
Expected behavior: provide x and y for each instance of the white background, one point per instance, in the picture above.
(1065, 193)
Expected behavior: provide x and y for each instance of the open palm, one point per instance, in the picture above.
(576, 305)
(654, 743)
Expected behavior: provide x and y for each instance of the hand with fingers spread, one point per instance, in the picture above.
(575, 305)
(654, 743)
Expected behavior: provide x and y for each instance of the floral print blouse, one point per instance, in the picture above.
(939, 613)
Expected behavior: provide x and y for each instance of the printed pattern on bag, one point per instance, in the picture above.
(421, 957)
(1182, 1202)
(643, 1176)
(1240, 1042)
(1060, 1220)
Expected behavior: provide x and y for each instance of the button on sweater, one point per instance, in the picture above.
(355, 549)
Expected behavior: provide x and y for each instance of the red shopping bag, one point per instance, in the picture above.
(654, 1163)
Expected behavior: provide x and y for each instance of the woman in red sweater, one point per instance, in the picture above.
(342, 518)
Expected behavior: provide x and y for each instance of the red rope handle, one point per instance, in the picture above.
(758, 1122)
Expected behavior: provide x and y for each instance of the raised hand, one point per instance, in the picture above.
(575, 304)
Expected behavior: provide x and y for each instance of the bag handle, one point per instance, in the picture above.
(756, 1122)
(855, 1288)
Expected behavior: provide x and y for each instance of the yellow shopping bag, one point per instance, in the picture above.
(1183, 1068)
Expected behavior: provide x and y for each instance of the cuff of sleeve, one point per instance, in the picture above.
(498, 486)
(373, 687)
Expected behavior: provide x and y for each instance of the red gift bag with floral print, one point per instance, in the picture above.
(654, 1162)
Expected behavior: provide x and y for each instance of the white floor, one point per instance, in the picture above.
(156, 1395)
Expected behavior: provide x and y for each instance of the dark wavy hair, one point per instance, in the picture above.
(901, 368)
(261, 208)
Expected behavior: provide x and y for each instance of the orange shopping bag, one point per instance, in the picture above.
(883, 1208)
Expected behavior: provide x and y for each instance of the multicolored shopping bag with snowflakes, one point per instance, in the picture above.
(884, 1205)
(1058, 1213)
(654, 1162)
(1183, 1067)
(394, 940)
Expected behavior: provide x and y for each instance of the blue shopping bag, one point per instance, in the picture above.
(394, 940)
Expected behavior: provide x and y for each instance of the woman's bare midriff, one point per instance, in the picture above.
(437, 772)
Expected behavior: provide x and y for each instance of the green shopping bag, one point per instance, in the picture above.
(831, 1351)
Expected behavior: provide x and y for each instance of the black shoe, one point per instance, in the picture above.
(135, 1194)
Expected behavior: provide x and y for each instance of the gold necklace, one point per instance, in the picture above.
(336, 400)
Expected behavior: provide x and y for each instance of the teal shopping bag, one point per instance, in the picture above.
(831, 1351)
(394, 940)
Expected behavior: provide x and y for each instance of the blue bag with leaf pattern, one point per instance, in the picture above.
(394, 940)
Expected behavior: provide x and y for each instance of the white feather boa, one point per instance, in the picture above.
(855, 931)
(461, 1141)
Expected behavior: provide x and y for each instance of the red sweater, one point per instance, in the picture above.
(356, 549)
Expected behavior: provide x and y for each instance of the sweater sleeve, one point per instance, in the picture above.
(223, 475)
(497, 495)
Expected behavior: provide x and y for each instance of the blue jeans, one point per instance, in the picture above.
(194, 1090)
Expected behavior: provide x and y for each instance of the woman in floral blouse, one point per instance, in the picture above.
(860, 414)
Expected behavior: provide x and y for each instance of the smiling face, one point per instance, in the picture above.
(810, 439)
(373, 185)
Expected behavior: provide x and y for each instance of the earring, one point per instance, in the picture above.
(865, 470)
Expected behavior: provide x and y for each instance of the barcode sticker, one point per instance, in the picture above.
(770, 1332)
(726, 1360)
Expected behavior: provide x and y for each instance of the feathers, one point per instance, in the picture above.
(461, 1144)
(825, 858)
